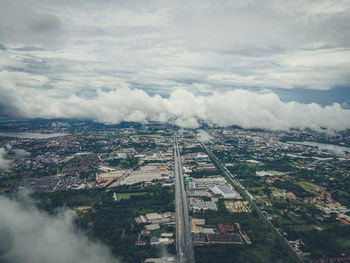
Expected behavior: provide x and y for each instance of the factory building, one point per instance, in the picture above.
(224, 191)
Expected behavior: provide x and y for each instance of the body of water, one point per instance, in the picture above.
(332, 148)
(32, 135)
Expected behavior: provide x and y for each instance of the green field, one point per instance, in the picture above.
(322, 226)
(255, 189)
(148, 135)
(308, 186)
(121, 196)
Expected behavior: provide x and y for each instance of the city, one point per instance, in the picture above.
(156, 193)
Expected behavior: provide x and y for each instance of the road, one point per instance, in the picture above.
(184, 246)
(245, 194)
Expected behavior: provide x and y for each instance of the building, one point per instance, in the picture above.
(226, 229)
(168, 235)
(202, 205)
(160, 260)
(224, 191)
(153, 217)
(224, 239)
(196, 225)
(161, 241)
(217, 234)
(152, 227)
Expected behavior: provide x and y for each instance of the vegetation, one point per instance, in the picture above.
(331, 242)
(121, 196)
(291, 187)
(124, 163)
(112, 222)
(265, 246)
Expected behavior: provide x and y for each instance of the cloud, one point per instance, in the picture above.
(31, 25)
(9, 151)
(31, 236)
(17, 153)
(78, 46)
(203, 136)
(4, 163)
(236, 107)
(346, 105)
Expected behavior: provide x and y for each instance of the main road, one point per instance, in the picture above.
(184, 246)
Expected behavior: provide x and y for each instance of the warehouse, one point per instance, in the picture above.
(224, 191)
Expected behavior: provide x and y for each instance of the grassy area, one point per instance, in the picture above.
(50, 201)
(163, 229)
(121, 196)
(307, 185)
(325, 243)
(342, 197)
(290, 220)
(303, 227)
(148, 135)
(255, 189)
(320, 226)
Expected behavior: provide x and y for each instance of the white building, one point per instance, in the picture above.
(224, 191)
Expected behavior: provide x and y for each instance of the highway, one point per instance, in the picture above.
(245, 194)
(184, 246)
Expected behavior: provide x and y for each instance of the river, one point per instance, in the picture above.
(31, 135)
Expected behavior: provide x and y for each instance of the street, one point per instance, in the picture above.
(183, 230)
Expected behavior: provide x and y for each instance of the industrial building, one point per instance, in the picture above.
(225, 192)
(160, 260)
(203, 234)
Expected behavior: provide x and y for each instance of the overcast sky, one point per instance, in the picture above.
(57, 58)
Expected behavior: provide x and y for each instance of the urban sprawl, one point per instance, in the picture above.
(249, 195)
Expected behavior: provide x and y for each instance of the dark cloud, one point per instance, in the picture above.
(10, 102)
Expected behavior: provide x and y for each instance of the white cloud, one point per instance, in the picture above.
(8, 150)
(204, 136)
(4, 163)
(31, 236)
(98, 44)
(236, 107)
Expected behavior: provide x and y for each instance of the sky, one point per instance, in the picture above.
(266, 64)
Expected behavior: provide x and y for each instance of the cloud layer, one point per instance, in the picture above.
(184, 108)
(84, 45)
(30, 236)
